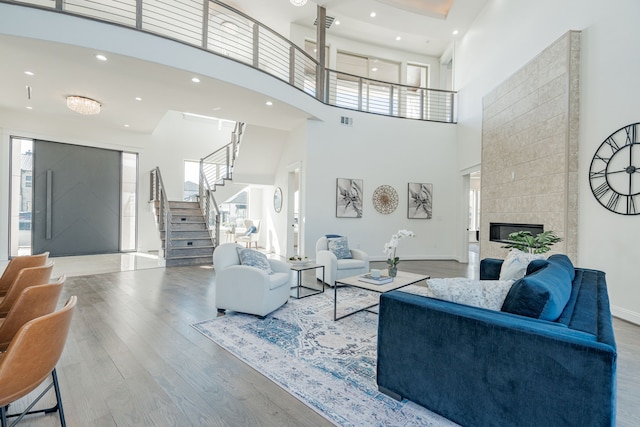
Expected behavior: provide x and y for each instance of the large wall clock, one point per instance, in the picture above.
(614, 174)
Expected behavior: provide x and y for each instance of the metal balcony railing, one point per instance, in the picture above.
(225, 31)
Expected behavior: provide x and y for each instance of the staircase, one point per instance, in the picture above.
(190, 231)
(189, 241)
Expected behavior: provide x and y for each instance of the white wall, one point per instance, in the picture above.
(383, 151)
(506, 36)
(299, 34)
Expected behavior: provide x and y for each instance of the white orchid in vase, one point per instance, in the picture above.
(390, 250)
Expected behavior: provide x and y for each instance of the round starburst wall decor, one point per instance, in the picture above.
(385, 199)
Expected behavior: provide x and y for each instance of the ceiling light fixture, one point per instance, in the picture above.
(195, 80)
(298, 3)
(138, 98)
(398, 38)
(229, 27)
(101, 57)
(372, 14)
(269, 103)
(337, 22)
(29, 73)
(455, 32)
(83, 105)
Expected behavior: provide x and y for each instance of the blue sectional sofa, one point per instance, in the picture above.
(547, 359)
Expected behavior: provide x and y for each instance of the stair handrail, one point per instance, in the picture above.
(210, 209)
(216, 168)
(158, 193)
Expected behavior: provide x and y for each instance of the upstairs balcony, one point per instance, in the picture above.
(222, 30)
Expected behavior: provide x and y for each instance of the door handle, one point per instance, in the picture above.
(48, 205)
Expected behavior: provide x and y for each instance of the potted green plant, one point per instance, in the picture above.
(527, 242)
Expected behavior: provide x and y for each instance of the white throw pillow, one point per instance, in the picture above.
(515, 265)
(489, 294)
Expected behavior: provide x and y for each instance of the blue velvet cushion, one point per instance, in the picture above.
(256, 259)
(563, 261)
(251, 230)
(340, 247)
(536, 265)
(541, 295)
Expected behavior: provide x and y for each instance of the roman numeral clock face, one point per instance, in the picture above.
(615, 171)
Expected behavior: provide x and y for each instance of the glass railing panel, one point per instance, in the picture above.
(178, 19)
(119, 11)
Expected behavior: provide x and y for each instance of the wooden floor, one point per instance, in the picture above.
(132, 358)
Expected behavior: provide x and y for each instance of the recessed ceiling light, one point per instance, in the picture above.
(374, 69)
(398, 38)
(217, 108)
(138, 98)
(455, 32)
(372, 14)
(336, 22)
(29, 107)
(29, 73)
(195, 80)
(269, 103)
(100, 57)
(298, 3)
(126, 125)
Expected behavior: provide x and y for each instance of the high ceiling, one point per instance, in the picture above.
(425, 27)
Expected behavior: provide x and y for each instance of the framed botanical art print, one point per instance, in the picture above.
(348, 198)
(420, 203)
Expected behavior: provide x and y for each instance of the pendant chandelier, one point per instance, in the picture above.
(298, 2)
(83, 105)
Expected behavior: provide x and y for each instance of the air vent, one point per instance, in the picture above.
(328, 22)
(347, 121)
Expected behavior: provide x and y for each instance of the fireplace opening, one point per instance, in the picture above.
(499, 231)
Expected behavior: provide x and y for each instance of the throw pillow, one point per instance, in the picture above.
(515, 264)
(253, 258)
(541, 295)
(340, 247)
(251, 230)
(489, 294)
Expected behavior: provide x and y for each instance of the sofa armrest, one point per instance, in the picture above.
(483, 367)
(279, 266)
(490, 268)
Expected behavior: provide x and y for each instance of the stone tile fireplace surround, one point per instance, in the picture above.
(530, 148)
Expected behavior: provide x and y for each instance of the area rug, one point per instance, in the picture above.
(330, 366)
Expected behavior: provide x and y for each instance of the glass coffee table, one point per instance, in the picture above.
(400, 281)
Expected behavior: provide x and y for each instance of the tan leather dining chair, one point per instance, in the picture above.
(33, 302)
(31, 357)
(26, 277)
(18, 263)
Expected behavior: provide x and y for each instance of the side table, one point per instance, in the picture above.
(300, 286)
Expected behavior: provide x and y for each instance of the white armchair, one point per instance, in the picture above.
(247, 236)
(335, 268)
(248, 289)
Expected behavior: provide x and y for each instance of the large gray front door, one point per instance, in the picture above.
(76, 199)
